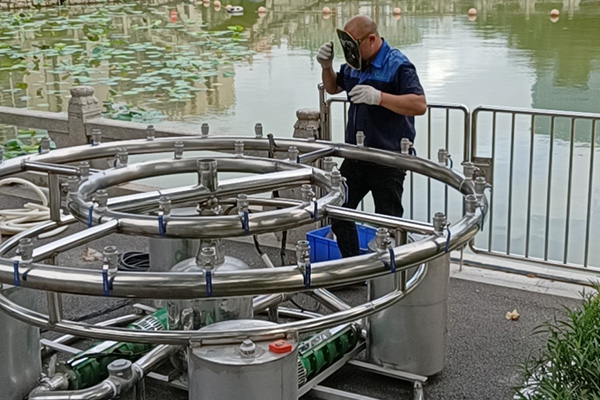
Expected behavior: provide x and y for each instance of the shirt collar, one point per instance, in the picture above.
(381, 55)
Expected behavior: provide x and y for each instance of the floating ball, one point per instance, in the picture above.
(472, 11)
(554, 13)
(326, 10)
(262, 9)
(397, 11)
(228, 7)
(217, 3)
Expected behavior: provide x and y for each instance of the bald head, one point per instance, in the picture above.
(361, 26)
(364, 30)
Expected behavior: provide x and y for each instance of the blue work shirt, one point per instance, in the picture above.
(391, 72)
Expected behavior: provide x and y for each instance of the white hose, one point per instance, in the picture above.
(20, 219)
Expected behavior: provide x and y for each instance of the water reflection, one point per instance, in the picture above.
(190, 61)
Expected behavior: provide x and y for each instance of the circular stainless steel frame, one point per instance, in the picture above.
(274, 175)
(120, 216)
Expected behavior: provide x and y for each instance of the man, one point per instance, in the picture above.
(385, 95)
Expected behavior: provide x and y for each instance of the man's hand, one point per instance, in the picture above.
(365, 94)
(325, 55)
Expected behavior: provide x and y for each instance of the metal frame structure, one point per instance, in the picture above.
(480, 131)
(149, 214)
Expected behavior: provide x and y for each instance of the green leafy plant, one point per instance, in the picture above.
(26, 142)
(569, 366)
(128, 112)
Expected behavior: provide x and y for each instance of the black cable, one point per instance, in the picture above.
(257, 245)
(134, 261)
(315, 310)
(282, 251)
(99, 313)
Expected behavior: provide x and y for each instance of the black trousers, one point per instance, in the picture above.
(386, 186)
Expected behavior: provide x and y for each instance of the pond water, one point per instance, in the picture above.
(185, 61)
(192, 62)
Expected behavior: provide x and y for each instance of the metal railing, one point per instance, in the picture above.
(545, 203)
(541, 164)
(447, 127)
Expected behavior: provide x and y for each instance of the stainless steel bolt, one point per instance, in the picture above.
(471, 204)
(439, 223)
(178, 150)
(207, 171)
(248, 348)
(239, 148)
(293, 154)
(96, 137)
(83, 169)
(360, 139)
(150, 132)
(258, 131)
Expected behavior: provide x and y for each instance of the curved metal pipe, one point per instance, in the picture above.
(194, 143)
(188, 285)
(183, 337)
(10, 244)
(67, 339)
(102, 391)
(261, 303)
(297, 314)
(112, 386)
(330, 300)
(233, 283)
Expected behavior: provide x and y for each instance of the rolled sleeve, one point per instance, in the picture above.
(408, 80)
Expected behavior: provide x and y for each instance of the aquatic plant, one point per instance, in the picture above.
(26, 142)
(143, 56)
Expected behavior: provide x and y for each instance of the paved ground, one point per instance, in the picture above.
(483, 352)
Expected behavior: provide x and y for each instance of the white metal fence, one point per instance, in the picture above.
(545, 202)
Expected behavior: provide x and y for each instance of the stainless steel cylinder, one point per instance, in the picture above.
(165, 253)
(410, 336)
(197, 313)
(207, 171)
(247, 370)
(20, 362)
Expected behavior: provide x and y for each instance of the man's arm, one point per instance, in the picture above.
(405, 104)
(409, 104)
(329, 78)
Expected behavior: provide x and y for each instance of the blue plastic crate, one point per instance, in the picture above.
(324, 248)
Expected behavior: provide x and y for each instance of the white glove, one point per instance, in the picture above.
(325, 55)
(365, 94)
